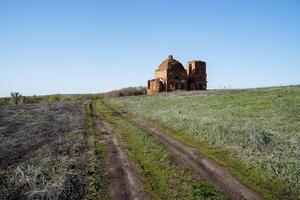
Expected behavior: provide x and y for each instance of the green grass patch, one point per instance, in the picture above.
(162, 176)
(98, 185)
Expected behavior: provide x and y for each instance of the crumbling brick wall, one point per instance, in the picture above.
(155, 86)
(177, 79)
(196, 71)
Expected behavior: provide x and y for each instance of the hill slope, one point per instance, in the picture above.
(260, 127)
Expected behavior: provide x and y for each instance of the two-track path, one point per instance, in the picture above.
(217, 175)
(125, 183)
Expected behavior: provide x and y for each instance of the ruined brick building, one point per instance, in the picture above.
(171, 75)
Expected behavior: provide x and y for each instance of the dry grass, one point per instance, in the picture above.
(24, 129)
(45, 151)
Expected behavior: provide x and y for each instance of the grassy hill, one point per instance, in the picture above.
(55, 149)
(254, 132)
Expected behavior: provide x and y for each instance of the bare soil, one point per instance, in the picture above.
(217, 175)
(125, 183)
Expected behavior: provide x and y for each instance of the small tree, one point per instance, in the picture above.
(15, 96)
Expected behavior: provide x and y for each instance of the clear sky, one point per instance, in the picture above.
(73, 46)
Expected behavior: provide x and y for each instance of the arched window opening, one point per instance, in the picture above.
(161, 86)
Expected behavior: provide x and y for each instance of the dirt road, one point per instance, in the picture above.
(125, 183)
(218, 176)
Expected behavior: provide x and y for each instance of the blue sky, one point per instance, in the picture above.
(72, 46)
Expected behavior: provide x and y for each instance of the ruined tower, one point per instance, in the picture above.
(196, 72)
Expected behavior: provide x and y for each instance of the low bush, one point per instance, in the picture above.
(52, 98)
(4, 101)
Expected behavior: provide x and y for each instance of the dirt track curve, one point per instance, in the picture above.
(218, 176)
(125, 183)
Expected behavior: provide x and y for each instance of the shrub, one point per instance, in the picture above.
(52, 98)
(4, 101)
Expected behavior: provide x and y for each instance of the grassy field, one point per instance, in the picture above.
(50, 151)
(162, 177)
(254, 132)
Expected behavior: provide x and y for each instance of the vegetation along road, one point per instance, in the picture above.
(205, 167)
(125, 183)
(160, 170)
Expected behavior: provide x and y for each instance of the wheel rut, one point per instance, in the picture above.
(206, 168)
(125, 182)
